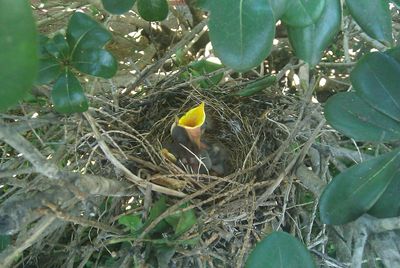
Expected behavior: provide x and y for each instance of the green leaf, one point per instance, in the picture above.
(203, 4)
(18, 51)
(279, 250)
(373, 17)
(118, 6)
(352, 116)
(396, 2)
(156, 210)
(300, 13)
(242, 34)
(49, 69)
(394, 53)
(279, 8)
(67, 94)
(85, 33)
(153, 10)
(204, 67)
(354, 191)
(58, 47)
(256, 86)
(186, 221)
(49, 66)
(134, 222)
(96, 61)
(388, 204)
(310, 42)
(376, 80)
(5, 240)
(164, 255)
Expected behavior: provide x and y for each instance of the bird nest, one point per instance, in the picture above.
(254, 129)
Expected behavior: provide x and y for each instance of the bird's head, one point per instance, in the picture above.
(192, 123)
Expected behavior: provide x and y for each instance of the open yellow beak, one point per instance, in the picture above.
(192, 122)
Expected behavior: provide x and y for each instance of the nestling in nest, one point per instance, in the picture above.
(192, 150)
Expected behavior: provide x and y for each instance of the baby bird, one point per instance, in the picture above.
(189, 149)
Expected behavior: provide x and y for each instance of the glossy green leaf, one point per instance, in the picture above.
(256, 86)
(388, 204)
(68, 96)
(354, 191)
(204, 67)
(85, 33)
(49, 69)
(373, 17)
(279, 8)
(376, 80)
(153, 10)
(58, 47)
(242, 34)
(134, 222)
(96, 61)
(118, 6)
(279, 250)
(310, 42)
(300, 13)
(49, 66)
(352, 116)
(18, 51)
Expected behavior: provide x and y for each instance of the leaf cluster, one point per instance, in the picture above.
(81, 49)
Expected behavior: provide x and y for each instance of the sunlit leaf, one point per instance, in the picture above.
(310, 42)
(373, 17)
(118, 6)
(67, 94)
(356, 190)
(300, 13)
(279, 250)
(242, 34)
(18, 51)
(96, 61)
(153, 10)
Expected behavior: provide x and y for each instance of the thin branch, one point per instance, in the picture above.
(29, 152)
(129, 175)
